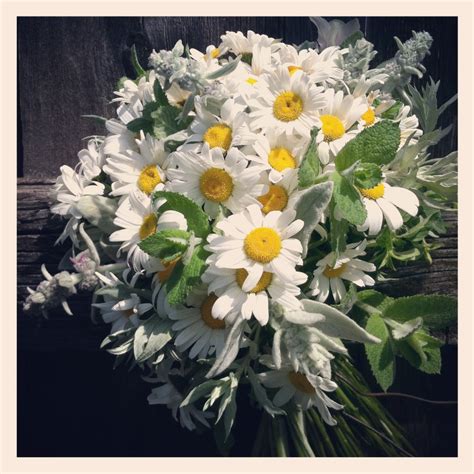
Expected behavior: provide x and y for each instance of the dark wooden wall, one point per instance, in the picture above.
(70, 401)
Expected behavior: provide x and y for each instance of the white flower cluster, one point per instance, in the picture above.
(203, 188)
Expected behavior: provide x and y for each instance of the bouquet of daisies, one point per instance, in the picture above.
(234, 218)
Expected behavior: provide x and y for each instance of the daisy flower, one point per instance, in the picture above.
(227, 284)
(120, 139)
(138, 219)
(210, 180)
(176, 95)
(142, 169)
(306, 390)
(197, 329)
(258, 243)
(225, 131)
(322, 68)
(122, 313)
(132, 90)
(276, 153)
(68, 189)
(91, 159)
(208, 59)
(282, 195)
(335, 120)
(382, 202)
(408, 124)
(330, 272)
(288, 103)
(238, 43)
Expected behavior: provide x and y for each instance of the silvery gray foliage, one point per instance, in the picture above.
(357, 59)
(407, 61)
(51, 292)
(334, 32)
(174, 67)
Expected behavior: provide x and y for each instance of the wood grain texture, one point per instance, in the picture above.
(80, 60)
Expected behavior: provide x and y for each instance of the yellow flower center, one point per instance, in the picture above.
(331, 272)
(281, 159)
(275, 200)
(332, 127)
(368, 117)
(251, 81)
(300, 381)
(374, 193)
(293, 69)
(163, 275)
(263, 283)
(262, 244)
(206, 313)
(148, 179)
(216, 185)
(218, 135)
(215, 52)
(148, 226)
(288, 106)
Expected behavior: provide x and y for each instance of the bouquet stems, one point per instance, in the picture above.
(364, 427)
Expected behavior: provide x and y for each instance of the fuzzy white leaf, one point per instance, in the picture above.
(99, 211)
(401, 331)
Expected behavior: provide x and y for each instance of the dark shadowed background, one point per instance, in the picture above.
(70, 402)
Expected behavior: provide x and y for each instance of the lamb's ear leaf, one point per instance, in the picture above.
(310, 205)
(337, 324)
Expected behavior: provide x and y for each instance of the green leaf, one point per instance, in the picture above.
(437, 311)
(136, 63)
(381, 356)
(310, 167)
(151, 337)
(351, 39)
(166, 243)
(377, 144)
(197, 219)
(347, 200)
(367, 175)
(96, 118)
(338, 234)
(140, 123)
(160, 95)
(165, 121)
(99, 211)
(422, 352)
(310, 206)
(393, 111)
(185, 277)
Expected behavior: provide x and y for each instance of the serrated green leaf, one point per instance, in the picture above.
(347, 200)
(185, 277)
(310, 168)
(421, 353)
(381, 356)
(140, 123)
(367, 175)
(166, 243)
(310, 206)
(377, 144)
(437, 311)
(197, 219)
(165, 121)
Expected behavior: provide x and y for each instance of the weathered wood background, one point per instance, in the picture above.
(70, 402)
